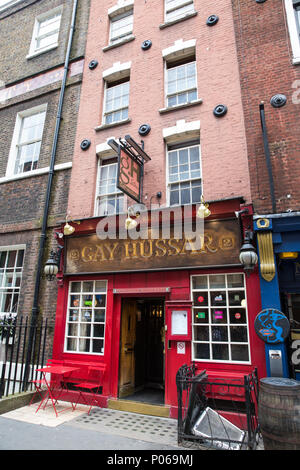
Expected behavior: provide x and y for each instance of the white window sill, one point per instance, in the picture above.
(296, 60)
(178, 20)
(31, 55)
(113, 124)
(118, 43)
(38, 172)
(180, 106)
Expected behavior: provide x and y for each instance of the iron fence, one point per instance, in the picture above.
(217, 413)
(17, 367)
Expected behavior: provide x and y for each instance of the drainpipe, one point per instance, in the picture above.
(267, 155)
(35, 307)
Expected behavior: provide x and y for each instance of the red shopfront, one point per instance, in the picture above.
(143, 318)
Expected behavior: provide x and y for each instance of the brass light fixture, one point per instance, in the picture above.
(203, 210)
(131, 223)
(288, 255)
(69, 229)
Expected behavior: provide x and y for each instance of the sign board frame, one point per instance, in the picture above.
(132, 166)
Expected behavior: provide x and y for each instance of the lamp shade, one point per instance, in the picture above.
(248, 256)
(51, 268)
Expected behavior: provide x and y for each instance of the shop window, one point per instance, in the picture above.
(45, 32)
(85, 325)
(184, 174)
(27, 139)
(220, 325)
(176, 9)
(116, 101)
(121, 27)
(110, 200)
(181, 81)
(11, 267)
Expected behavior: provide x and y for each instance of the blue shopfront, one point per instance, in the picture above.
(278, 246)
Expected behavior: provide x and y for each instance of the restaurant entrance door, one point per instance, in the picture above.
(141, 373)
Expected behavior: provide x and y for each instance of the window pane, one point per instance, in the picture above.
(86, 316)
(201, 351)
(11, 266)
(220, 352)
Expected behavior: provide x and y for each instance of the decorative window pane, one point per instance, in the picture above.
(181, 84)
(46, 32)
(29, 142)
(184, 176)
(11, 267)
(175, 9)
(110, 200)
(121, 27)
(85, 326)
(220, 325)
(116, 103)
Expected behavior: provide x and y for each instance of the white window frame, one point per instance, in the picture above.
(169, 66)
(114, 194)
(228, 324)
(14, 289)
(33, 50)
(121, 37)
(9, 3)
(181, 146)
(110, 85)
(76, 319)
(10, 171)
(294, 29)
(179, 4)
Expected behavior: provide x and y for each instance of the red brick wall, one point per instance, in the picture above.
(266, 69)
(223, 144)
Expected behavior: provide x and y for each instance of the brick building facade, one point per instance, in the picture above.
(267, 37)
(167, 75)
(34, 39)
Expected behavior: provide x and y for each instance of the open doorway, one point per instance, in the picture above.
(141, 374)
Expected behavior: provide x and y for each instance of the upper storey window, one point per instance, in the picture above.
(27, 139)
(181, 83)
(176, 9)
(45, 32)
(121, 27)
(292, 8)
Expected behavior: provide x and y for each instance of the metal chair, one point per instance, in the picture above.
(91, 385)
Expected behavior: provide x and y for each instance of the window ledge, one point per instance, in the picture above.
(117, 44)
(37, 53)
(38, 172)
(177, 20)
(113, 124)
(180, 106)
(296, 60)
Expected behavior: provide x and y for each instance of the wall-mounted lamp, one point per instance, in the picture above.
(51, 267)
(69, 229)
(288, 255)
(248, 255)
(203, 210)
(131, 223)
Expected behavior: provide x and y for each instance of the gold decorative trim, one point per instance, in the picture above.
(263, 223)
(266, 254)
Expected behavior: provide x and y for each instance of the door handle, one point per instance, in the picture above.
(128, 349)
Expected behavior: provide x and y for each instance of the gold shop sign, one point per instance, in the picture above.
(88, 254)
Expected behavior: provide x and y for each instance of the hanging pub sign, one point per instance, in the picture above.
(272, 326)
(129, 175)
(131, 159)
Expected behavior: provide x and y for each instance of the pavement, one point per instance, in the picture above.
(116, 434)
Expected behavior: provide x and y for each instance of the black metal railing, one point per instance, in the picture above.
(217, 413)
(16, 369)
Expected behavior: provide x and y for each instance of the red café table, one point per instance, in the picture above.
(56, 386)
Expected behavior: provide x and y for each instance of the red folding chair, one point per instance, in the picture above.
(40, 383)
(91, 386)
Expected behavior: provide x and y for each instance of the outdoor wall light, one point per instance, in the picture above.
(68, 229)
(289, 255)
(248, 255)
(131, 223)
(203, 210)
(52, 265)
